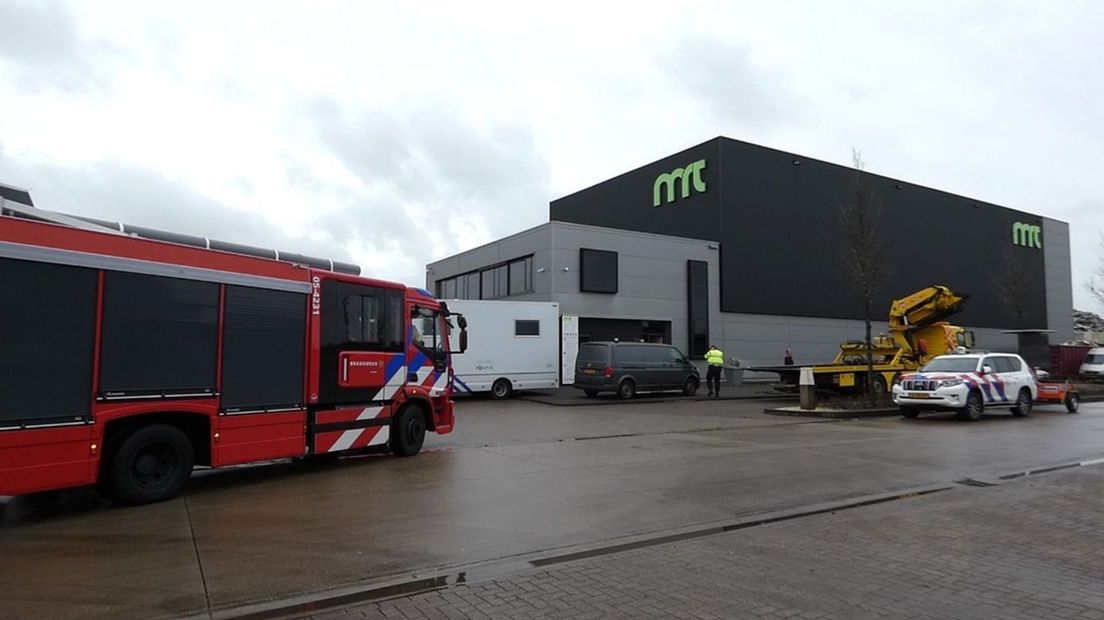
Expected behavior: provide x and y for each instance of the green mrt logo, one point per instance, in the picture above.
(688, 175)
(1027, 235)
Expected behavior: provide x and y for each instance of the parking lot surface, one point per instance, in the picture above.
(1027, 548)
(515, 478)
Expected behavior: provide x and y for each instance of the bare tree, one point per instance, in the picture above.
(864, 255)
(1095, 284)
(1013, 285)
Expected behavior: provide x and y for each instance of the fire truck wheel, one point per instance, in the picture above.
(1071, 402)
(408, 434)
(502, 389)
(1023, 403)
(151, 464)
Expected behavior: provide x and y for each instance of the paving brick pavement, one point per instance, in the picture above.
(1028, 548)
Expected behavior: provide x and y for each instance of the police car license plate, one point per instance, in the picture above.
(918, 395)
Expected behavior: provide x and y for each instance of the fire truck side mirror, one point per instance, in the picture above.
(461, 321)
(463, 338)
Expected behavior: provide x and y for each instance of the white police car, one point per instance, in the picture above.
(967, 384)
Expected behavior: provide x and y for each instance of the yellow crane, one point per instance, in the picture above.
(917, 333)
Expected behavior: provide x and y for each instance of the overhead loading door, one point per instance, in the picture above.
(47, 323)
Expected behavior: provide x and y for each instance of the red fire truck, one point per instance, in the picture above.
(128, 356)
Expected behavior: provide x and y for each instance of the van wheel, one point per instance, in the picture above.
(1071, 403)
(408, 432)
(151, 464)
(690, 386)
(590, 393)
(974, 407)
(502, 389)
(1023, 403)
(626, 390)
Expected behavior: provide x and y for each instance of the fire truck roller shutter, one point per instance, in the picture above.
(47, 321)
(160, 336)
(264, 335)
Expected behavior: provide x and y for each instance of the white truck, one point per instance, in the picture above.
(512, 345)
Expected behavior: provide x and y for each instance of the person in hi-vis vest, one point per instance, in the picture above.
(715, 358)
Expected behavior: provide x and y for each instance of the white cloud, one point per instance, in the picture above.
(398, 134)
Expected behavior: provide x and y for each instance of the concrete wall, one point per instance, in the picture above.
(1059, 280)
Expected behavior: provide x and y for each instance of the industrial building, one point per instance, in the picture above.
(742, 246)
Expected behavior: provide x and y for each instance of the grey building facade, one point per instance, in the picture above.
(737, 245)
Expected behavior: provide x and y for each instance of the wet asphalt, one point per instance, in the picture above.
(515, 478)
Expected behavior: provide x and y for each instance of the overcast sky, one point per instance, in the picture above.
(392, 136)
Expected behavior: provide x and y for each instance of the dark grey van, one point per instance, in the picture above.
(631, 367)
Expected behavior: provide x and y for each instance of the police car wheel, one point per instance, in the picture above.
(1023, 403)
(974, 407)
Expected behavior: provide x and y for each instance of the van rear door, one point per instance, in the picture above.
(591, 361)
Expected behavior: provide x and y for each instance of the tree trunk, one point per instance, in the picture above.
(869, 358)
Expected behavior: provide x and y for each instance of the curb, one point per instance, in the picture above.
(605, 402)
(834, 414)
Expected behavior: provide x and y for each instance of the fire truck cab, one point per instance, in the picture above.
(127, 360)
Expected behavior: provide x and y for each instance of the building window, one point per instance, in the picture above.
(521, 276)
(471, 286)
(697, 300)
(495, 282)
(464, 286)
(446, 289)
(525, 327)
(513, 278)
(597, 271)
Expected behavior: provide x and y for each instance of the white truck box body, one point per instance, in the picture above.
(500, 345)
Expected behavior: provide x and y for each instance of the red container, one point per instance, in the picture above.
(1066, 359)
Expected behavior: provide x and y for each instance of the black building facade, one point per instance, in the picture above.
(776, 219)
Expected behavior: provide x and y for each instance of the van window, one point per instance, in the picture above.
(632, 354)
(674, 355)
(1094, 358)
(592, 353)
(655, 355)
